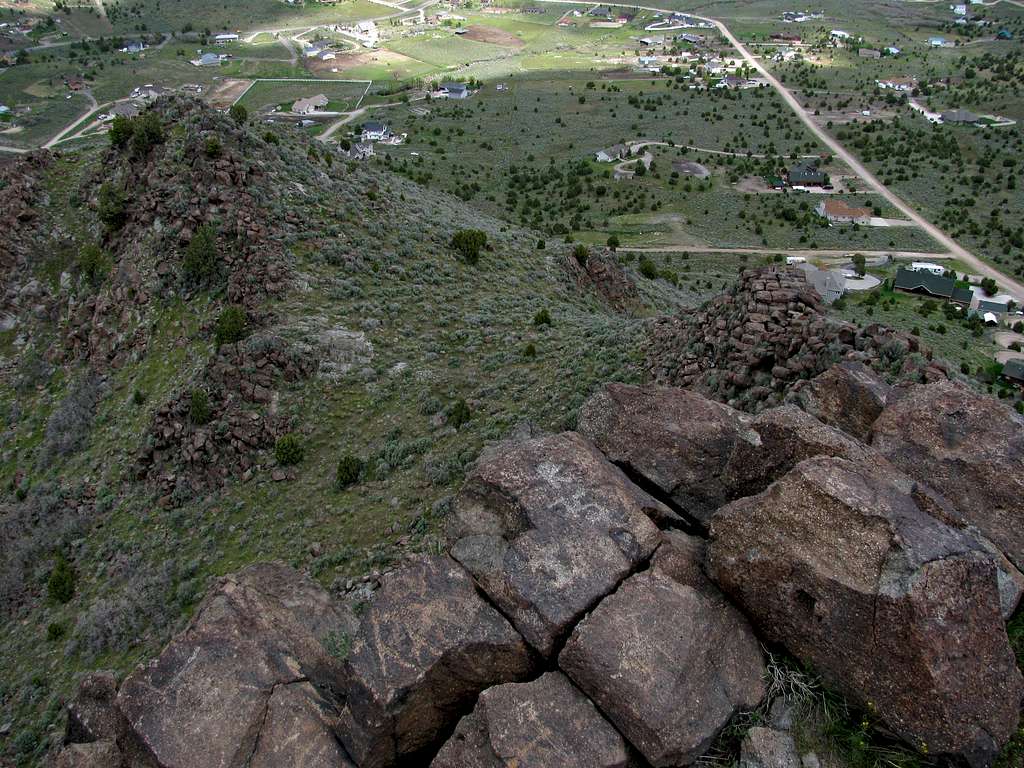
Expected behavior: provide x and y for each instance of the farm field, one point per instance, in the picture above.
(267, 93)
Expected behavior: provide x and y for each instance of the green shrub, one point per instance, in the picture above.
(648, 269)
(147, 133)
(288, 450)
(581, 254)
(61, 584)
(199, 409)
(543, 317)
(989, 286)
(55, 630)
(613, 242)
(231, 325)
(530, 350)
(212, 148)
(200, 262)
(270, 137)
(459, 413)
(138, 397)
(93, 264)
(468, 243)
(541, 245)
(350, 469)
(238, 113)
(113, 206)
(121, 130)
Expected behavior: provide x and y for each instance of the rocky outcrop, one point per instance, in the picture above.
(252, 658)
(671, 712)
(93, 714)
(22, 190)
(748, 347)
(849, 395)
(547, 722)
(97, 754)
(668, 439)
(768, 748)
(896, 609)
(548, 527)
(427, 646)
(968, 447)
(601, 273)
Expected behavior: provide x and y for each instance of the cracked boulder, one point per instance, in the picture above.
(668, 439)
(668, 662)
(546, 723)
(427, 646)
(206, 700)
(298, 731)
(768, 748)
(849, 396)
(778, 440)
(845, 566)
(96, 754)
(93, 714)
(548, 527)
(968, 447)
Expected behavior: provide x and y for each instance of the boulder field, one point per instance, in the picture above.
(607, 596)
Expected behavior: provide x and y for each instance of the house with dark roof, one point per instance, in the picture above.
(1013, 371)
(806, 174)
(926, 283)
(374, 131)
(959, 117)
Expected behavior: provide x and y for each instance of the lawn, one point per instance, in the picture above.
(268, 94)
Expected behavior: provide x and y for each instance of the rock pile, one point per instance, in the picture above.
(575, 622)
(602, 273)
(239, 383)
(750, 346)
(21, 192)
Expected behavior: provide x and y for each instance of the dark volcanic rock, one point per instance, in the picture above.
(783, 437)
(767, 748)
(427, 646)
(547, 723)
(203, 703)
(841, 563)
(848, 395)
(668, 663)
(670, 439)
(548, 527)
(93, 714)
(298, 731)
(968, 447)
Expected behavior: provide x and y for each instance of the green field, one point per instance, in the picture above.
(268, 94)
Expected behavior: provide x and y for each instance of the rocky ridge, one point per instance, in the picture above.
(577, 603)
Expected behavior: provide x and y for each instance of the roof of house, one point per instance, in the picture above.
(806, 171)
(301, 105)
(962, 294)
(1014, 369)
(842, 209)
(458, 87)
(992, 306)
(825, 281)
(209, 58)
(925, 281)
(374, 127)
(959, 116)
(125, 109)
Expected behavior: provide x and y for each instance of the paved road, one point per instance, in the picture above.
(958, 251)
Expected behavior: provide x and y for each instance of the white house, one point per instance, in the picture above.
(959, 9)
(310, 105)
(840, 34)
(134, 46)
(611, 154)
(937, 42)
(327, 55)
(225, 37)
(374, 131)
(451, 91)
(927, 266)
(897, 84)
(207, 60)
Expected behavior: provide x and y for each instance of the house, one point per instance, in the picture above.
(310, 105)
(990, 311)
(829, 284)
(150, 92)
(1013, 371)
(960, 9)
(732, 82)
(327, 55)
(927, 266)
(648, 61)
(869, 53)
(613, 153)
(312, 50)
(688, 38)
(937, 42)
(839, 34)
(1004, 34)
(841, 212)
(225, 37)
(75, 83)
(897, 84)
(451, 91)
(374, 131)
(652, 41)
(932, 285)
(806, 174)
(207, 60)
(134, 46)
(959, 117)
(362, 150)
(124, 109)
(892, 50)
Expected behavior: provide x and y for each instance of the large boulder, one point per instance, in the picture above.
(968, 447)
(768, 748)
(96, 754)
(668, 662)
(778, 440)
(674, 442)
(849, 395)
(546, 723)
(427, 646)
(548, 527)
(205, 701)
(92, 713)
(844, 565)
(298, 731)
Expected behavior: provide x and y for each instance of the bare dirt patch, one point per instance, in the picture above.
(493, 36)
(226, 92)
(347, 61)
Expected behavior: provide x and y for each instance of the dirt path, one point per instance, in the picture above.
(1012, 286)
(807, 254)
(77, 122)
